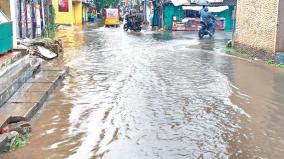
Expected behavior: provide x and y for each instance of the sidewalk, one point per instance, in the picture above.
(25, 85)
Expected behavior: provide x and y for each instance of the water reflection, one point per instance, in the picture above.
(158, 95)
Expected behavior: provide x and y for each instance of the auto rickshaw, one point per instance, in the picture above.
(112, 17)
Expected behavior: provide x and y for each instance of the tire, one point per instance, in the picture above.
(211, 34)
(125, 27)
(138, 29)
(200, 34)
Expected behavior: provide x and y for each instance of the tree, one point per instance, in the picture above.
(107, 3)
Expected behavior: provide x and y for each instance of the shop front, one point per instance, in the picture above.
(191, 20)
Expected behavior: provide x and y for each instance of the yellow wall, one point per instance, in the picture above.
(78, 17)
(63, 17)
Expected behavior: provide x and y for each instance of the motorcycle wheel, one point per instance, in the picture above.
(200, 35)
(211, 34)
(125, 27)
(138, 29)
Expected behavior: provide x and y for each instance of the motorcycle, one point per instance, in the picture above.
(205, 30)
(132, 23)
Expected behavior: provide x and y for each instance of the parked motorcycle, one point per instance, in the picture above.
(206, 30)
(133, 22)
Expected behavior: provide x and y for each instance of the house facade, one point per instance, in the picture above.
(70, 12)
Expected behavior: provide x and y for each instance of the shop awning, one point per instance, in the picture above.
(211, 9)
(179, 2)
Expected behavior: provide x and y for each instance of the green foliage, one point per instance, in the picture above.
(270, 62)
(51, 26)
(230, 50)
(19, 142)
(281, 65)
(107, 3)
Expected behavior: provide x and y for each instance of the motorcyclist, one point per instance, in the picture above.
(207, 18)
(202, 10)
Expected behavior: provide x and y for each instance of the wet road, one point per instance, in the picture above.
(158, 96)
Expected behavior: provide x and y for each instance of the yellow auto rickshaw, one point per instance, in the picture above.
(112, 17)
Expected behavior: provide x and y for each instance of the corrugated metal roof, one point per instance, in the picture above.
(180, 2)
(225, 3)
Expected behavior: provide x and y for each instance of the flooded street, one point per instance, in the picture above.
(156, 95)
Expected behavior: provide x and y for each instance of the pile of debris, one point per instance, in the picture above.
(45, 48)
(14, 135)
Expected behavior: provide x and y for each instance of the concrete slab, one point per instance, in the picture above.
(51, 73)
(10, 58)
(45, 67)
(43, 79)
(14, 110)
(14, 76)
(27, 97)
(36, 87)
(31, 96)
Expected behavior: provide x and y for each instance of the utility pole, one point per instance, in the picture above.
(145, 11)
(162, 13)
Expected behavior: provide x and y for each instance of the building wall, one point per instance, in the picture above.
(256, 26)
(77, 12)
(63, 17)
(5, 7)
(280, 29)
(228, 15)
(169, 11)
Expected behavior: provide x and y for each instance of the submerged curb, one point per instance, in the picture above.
(26, 102)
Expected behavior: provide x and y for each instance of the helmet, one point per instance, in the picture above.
(206, 9)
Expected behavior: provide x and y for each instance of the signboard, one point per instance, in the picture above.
(112, 13)
(63, 6)
(192, 24)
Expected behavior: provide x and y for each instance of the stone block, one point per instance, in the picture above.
(14, 112)
(22, 127)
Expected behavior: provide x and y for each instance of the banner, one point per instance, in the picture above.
(63, 6)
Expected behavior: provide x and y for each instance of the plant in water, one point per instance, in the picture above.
(19, 142)
(270, 62)
(230, 50)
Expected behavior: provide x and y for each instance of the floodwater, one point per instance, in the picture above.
(154, 95)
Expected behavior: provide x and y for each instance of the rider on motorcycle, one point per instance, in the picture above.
(207, 18)
(133, 21)
(129, 17)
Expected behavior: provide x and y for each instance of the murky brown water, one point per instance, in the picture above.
(158, 96)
